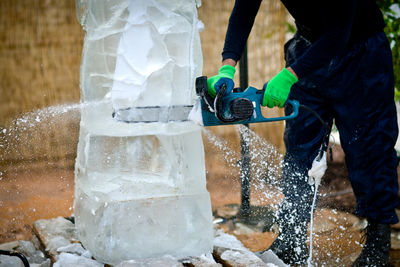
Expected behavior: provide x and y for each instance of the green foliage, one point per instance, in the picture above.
(391, 13)
(290, 27)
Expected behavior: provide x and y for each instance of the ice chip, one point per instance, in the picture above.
(195, 114)
(200, 25)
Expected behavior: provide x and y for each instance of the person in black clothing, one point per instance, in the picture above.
(339, 64)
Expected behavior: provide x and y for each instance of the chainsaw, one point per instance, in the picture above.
(236, 107)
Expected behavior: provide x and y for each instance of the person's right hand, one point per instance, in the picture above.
(225, 76)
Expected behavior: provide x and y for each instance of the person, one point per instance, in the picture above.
(339, 64)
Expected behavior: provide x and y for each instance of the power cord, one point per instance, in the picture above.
(325, 140)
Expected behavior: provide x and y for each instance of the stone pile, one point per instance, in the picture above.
(337, 237)
(55, 242)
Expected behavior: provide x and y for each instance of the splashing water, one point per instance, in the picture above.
(309, 260)
(37, 152)
(230, 156)
(266, 159)
(17, 138)
(265, 163)
(33, 118)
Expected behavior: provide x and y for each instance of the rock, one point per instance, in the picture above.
(243, 229)
(55, 227)
(68, 260)
(55, 233)
(228, 211)
(7, 261)
(326, 220)
(9, 246)
(35, 241)
(56, 242)
(257, 241)
(240, 258)
(33, 255)
(270, 257)
(27, 248)
(76, 249)
(227, 241)
(46, 263)
(205, 260)
(165, 261)
(231, 252)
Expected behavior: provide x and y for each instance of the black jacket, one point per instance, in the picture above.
(331, 26)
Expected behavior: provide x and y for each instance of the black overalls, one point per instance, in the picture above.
(344, 64)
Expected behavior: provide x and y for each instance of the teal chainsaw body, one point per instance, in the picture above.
(236, 107)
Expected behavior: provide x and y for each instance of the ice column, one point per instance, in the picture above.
(140, 188)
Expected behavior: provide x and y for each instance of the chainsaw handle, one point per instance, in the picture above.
(295, 106)
(289, 102)
(293, 103)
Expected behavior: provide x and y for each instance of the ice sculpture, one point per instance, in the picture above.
(140, 188)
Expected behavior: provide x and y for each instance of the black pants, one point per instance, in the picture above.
(356, 90)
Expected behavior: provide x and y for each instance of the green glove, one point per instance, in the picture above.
(226, 71)
(278, 89)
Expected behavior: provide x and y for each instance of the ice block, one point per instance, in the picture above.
(140, 188)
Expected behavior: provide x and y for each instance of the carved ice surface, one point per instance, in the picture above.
(158, 55)
(140, 188)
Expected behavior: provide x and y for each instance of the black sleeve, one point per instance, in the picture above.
(240, 23)
(336, 28)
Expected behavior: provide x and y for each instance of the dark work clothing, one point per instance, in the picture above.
(331, 26)
(344, 64)
(356, 89)
(343, 61)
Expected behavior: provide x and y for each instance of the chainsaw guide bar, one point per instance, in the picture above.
(153, 114)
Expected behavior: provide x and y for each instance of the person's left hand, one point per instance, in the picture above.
(225, 76)
(277, 90)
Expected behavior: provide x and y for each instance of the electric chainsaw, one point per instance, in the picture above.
(236, 107)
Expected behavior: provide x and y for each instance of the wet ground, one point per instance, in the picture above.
(337, 232)
(44, 193)
(27, 196)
